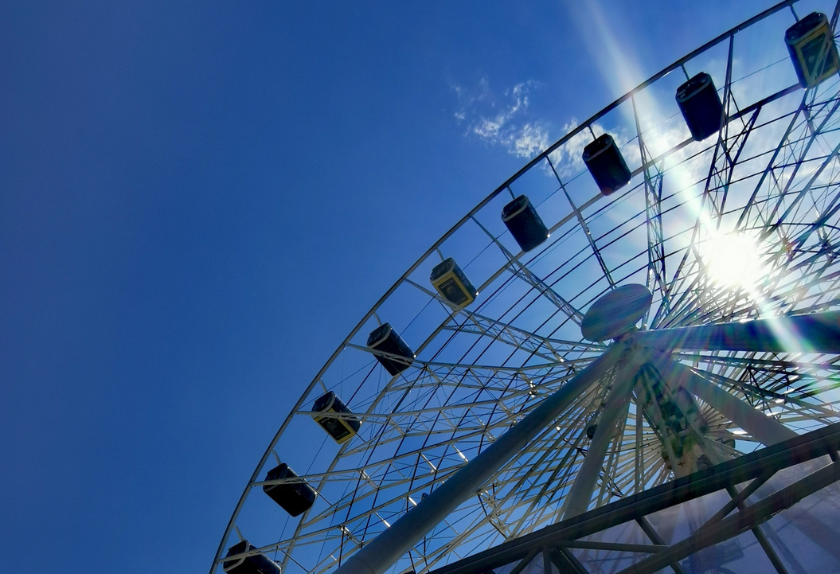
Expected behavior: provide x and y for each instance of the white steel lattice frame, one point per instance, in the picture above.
(772, 172)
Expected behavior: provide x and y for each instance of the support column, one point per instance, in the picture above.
(616, 407)
(814, 333)
(765, 429)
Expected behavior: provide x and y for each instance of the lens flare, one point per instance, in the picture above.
(733, 261)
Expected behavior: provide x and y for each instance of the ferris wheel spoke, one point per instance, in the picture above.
(516, 337)
(424, 413)
(693, 296)
(787, 414)
(650, 463)
(687, 303)
(521, 271)
(482, 325)
(465, 433)
(701, 305)
(721, 174)
(498, 330)
(646, 445)
(624, 477)
(373, 505)
(423, 366)
(509, 402)
(795, 283)
(336, 476)
(654, 207)
(683, 304)
(472, 378)
(583, 225)
(491, 382)
(657, 471)
(450, 549)
(655, 278)
(459, 540)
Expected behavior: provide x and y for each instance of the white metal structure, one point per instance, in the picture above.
(508, 420)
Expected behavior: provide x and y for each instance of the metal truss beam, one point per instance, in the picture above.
(756, 465)
(740, 522)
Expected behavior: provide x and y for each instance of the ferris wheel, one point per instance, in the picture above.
(654, 294)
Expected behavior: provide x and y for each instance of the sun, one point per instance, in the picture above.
(733, 260)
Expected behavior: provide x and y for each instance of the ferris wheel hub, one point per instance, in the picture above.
(616, 313)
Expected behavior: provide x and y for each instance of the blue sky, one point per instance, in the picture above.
(200, 199)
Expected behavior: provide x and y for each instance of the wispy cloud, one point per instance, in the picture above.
(501, 119)
(505, 120)
(568, 158)
(531, 140)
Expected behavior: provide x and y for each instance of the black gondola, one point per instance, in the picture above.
(294, 497)
(524, 223)
(700, 106)
(810, 43)
(255, 564)
(385, 339)
(341, 428)
(606, 164)
(452, 284)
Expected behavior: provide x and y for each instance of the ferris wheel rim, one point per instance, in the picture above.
(505, 186)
